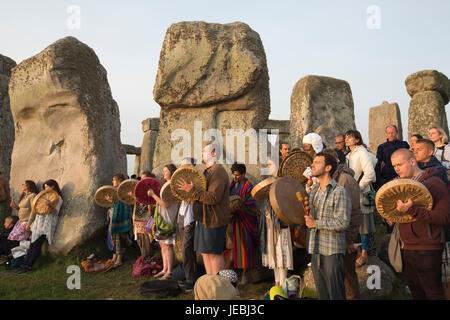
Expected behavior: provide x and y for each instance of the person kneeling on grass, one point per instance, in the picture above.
(42, 228)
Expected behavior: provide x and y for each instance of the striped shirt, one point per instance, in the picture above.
(332, 212)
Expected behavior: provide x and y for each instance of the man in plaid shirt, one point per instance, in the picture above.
(328, 219)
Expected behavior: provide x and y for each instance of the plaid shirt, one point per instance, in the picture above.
(332, 213)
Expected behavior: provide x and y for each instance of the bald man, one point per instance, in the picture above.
(421, 239)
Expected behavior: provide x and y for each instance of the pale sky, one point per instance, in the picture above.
(340, 39)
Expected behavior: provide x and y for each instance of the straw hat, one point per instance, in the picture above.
(214, 287)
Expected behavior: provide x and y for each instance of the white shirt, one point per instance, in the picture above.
(45, 224)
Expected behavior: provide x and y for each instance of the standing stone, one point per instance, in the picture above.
(213, 73)
(67, 128)
(430, 92)
(150, 127)
(6, 120)
(369, 287)
(322, 105)
(283, 127)
(379, 118)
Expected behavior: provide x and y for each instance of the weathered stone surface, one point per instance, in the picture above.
(129, 149)
(150, 124)
(379, 118)
(426, 109)
(387, 278)
(6, 120)
(150, 127)
(212, 73)
(428, 80)
(67, 128)
(322, 105)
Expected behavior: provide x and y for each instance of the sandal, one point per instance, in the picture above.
(159, 274)
(116, 265)
(361, 262)
(167, 276)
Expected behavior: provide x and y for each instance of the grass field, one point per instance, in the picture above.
(48, 281)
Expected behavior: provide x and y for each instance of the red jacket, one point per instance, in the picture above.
(416, 235)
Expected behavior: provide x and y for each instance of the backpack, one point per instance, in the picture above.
(160, 289)
(293, 286)
(142, 268)
(394, 250)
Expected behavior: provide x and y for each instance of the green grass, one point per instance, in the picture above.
(49, 277)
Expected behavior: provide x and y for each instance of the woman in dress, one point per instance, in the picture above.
(362, 162)
(19, 233)
(169, 213)
(42, 228)
(275, 240)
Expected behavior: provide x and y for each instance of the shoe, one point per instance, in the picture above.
(91, 256)
(19, 270)
(23, 271)
(187, 286)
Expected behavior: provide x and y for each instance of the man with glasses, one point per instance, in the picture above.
(340, 143)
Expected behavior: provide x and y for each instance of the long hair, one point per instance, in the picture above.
(171, 167)
(357, 135)
(54, 184)
(31, 186)
(444, 137)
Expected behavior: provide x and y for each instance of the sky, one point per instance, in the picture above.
(373, 45)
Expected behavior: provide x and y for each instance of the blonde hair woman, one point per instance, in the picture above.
(442, 147)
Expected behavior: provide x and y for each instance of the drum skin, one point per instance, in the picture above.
(401, 189)
(284, 202)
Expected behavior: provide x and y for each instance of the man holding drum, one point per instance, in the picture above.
(210, 232)
(421, 245)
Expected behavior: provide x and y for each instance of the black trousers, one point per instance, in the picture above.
(422, 270)
(187, 234)
(6, 246)
(34, 252)
(329, 275)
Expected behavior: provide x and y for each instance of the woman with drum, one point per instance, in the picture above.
(275, 239)
(20, 233)
(362, 162)
(120, 222)
(42, 227)
(169, 214)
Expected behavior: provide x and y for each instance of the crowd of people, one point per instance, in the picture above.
(340, 222)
